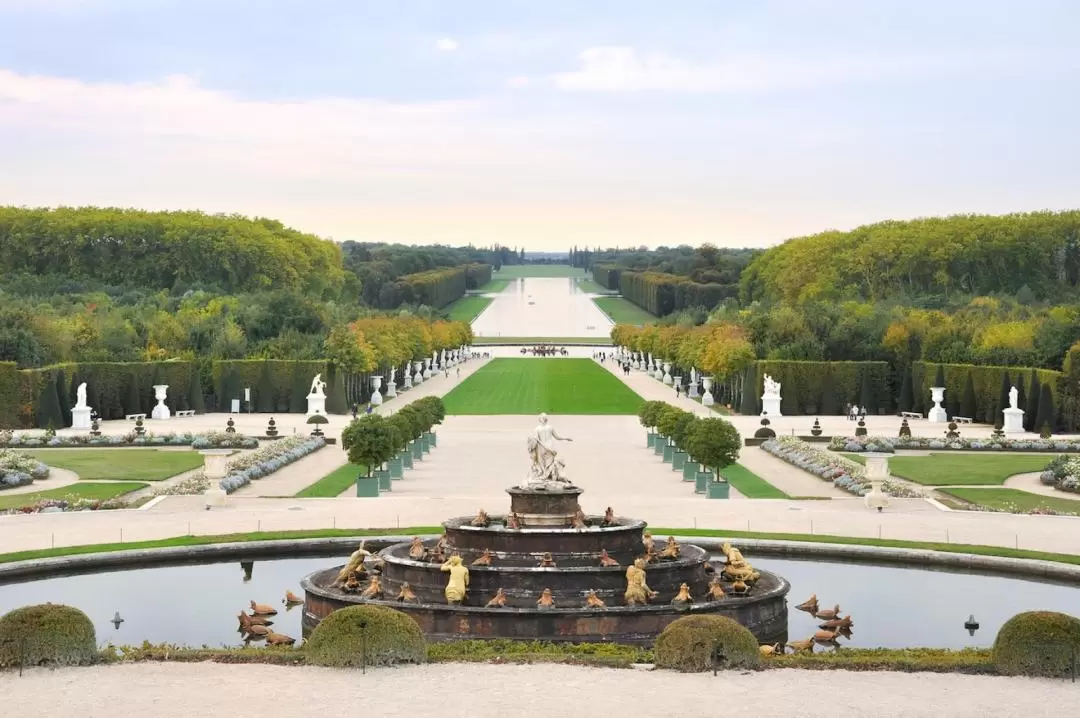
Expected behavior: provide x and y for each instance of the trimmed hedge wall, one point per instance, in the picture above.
(477, 275)
(987, 384)
(10, 395)
(821, 387)
(661, 294)
(607, 276)
(436, 288)
(287, 378)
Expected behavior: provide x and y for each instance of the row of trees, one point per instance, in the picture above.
(713, 442)
(383, 342)
(661, 294)
(373, 439)
(721, 350)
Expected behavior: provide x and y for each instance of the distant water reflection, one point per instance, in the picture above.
(891, 607)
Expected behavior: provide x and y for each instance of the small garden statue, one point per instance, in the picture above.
(95, 427)
(952, 434)
(458, 583)
(139, 428)
(905, 430)
(271, 427)
(638, 592)
(815, 430)
(317, 420)
(860, 428)
(999, 431)
(230, 426)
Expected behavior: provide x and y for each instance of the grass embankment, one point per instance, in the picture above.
(122, 464)
(547, 341)
(333, 484)
(494, 286)
(962, 469)
(588, 285)
(467, 308)
(531, 386)
(749, 484)
(1015, 500)
(623, 311)
(515, 271)
(72, 492)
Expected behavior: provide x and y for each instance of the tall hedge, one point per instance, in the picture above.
(436, 288)
(10, 391)
(803, 384)
(477, 275)
(1031, 408)
(987, 381)
(266, 398)
(336, 401)
(607, 276)
(248, 373)
(661, 294)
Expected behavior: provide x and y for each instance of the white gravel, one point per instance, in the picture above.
(479, 691)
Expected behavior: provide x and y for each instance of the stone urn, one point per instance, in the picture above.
(215, 462)
(376, 397)
(877, 471)
(160, 411)
(707, 397)
(427, 369)
(937, 414)
(667, 373)
(418, 376)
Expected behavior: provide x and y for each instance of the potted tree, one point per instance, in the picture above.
(436, 413)
(415, 421)
(369, 441)
(402, 435)
(667, 421)
(647, 415)
(690, 464)
(678, 435)
(715, 444)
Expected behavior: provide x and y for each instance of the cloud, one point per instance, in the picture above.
(446, 44)
(625, 69)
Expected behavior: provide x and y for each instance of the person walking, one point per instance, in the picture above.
(459, 372)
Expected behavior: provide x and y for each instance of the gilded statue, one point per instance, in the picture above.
(671, 549)
(637, 591)
(406, 594)
(546, 561)
(279, 639)
(647, 541)
(354, 565)
(499, 600)
(458, 582)
(826, 614)
(810, 605)
(609, 518)
(512, 521)
(593, 601)
(606, 560)
(736, 567)
(373, 590)
(683, 597)
(417, 552)
(806, 646)
(481, 520)
(352, 583)
(716, 591)
(577, 521)
(546, 600)
(291, 599)
(837, 624)
(740, 587)
(262, 609)
(484, 559)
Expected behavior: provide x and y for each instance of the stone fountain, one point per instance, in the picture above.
(546, 547)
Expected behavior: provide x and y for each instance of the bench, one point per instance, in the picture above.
(962, 419)
(185, 412)
(133, 417)
(910, 415)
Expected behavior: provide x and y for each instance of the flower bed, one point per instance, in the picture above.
(844, 473)
(210, 440)
(19, 469)
(267, 460)
(889, 444)
(193, 485)
(66, 505)
(1063, 473)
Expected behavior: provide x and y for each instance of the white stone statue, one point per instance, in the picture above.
(1014, 397)
(80, 397)
(770, 397)
(318, 388)
(393, 373)
(160, 411)
(1013, 416)
(772, 387)
(546, 468)
(80, 413)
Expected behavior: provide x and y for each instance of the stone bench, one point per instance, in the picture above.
(962, 419)
(185, 412)
(910, 415)
(133, 417)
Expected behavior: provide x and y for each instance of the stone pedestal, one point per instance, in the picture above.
(770, 406)
(316, 405)
(408, 380)
(391, 390)
(537, 508)
(707, 397)
(418, 377)
(427, 369)
(215, 497)
(80, 417)
(376, 397)
(877, 470)
(215, 462)
(160, 411)
(937, 414)
(1013, 421)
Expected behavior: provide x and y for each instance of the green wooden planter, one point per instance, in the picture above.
(689, 471)
(701, 480)
(383, 477)
(650, 439)
(417, 451)
(718, 489)
(431, 438)
(669, 452)
(395, 468)
(425, 445)
(367, 487)
(406, 458)
(678, 460)
(658, 445)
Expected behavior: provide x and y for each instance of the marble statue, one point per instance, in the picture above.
(80, 413)
(545, 464)
(80, 397)
(1013, 415)
(1014, 397)
(458, 583)
(770, 398)
(160, 410)
(772, 387)
(316, 398)
(393, 374)
(318, 387)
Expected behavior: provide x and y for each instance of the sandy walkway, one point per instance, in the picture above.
(58, 478)
(1030, 483)
(483, 691)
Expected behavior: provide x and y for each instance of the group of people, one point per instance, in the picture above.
(544, 350)
(854, 412)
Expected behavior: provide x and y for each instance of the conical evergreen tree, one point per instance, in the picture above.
(1031, 409)
(1046, 415)
(265, 401)
(867, 395)
(906, 400)
(1021, 394)
(335, 392)
(300, 388)
(1003, 398)
(133, 404)
(829, 404)
(195, 399)
(48, 408)
(967, 401)
(63, 396)
(939, 376)
(749, 405)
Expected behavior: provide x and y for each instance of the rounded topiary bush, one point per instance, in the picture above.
(48, 634)
(369, 635)
(687, 644)
(1037, 643)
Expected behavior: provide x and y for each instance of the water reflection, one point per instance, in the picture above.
(542, 307)
(891, 607)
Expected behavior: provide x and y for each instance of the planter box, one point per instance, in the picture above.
(429, 437)
(394, 467)
(669, 451)
(406, 459)
(718, 490)
(658, 445)
(650, 439)
(690, 470)
(383, 477)
(678, 460)
(367, 487)
(425, 445)
(701, 480)
(417, 451)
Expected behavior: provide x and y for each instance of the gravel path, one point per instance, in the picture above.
(480, 691)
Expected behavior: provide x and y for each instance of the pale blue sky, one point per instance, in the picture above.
(543, 124)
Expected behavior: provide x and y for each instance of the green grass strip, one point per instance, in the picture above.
(467, 309)
(333, 484)
(72, 492)
(1015, 500)
(126, 465)
(749, 484)
(623, 311)
(962, 469)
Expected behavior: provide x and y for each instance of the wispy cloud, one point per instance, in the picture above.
(446, 44)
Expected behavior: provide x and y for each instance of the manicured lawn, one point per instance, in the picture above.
(513, 271)
(557, 341)
(588, 285)
(122, 464)
(623, 311)
(333, 484)
(749, 484)
(1015, 500)
(531, 386)
(74, 491)
(962, 469)
(495, 286)
(467, 308)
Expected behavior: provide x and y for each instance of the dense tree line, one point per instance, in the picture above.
(661, 294)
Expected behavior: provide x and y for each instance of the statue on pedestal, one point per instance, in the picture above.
(316, 398)
(458, 583)
(81, 413)
(546, 469)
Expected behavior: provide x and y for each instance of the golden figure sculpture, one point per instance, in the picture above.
(546, 600)
(637, 591)
(593, 601)
(810, 605)
(837, 624)
(774, 649)
(546, 561)
(354, 564)
(737, 568)
(406, 594)
(481, 520)
(609, 517)
(279, 639)
(671, 549)
(485, 558)
(254, 631)
(647, 541)
(577, 521)
(262, 609)
(806, 646)
(512, 521)
(352, 583)
(716, 591)
(740, 588)
(606, 560)
(246, 620)
(458, 582)
(826, 636)
(827, 614)
(291, 599)
(373, 590)
(683, 597)
(416, 549)
(499, 601)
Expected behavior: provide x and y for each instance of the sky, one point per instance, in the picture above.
(544, 125)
